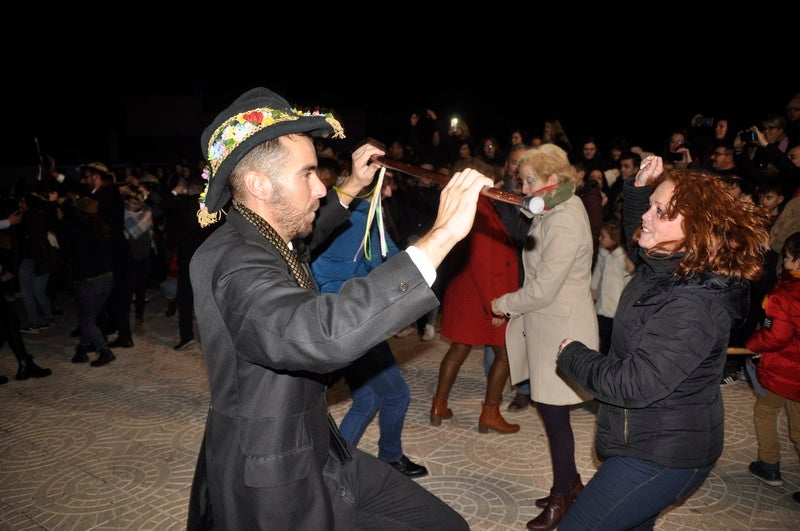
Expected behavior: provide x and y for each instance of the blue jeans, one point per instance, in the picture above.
(377, 386)
(523, 388)
(33, 289)
(629, 493)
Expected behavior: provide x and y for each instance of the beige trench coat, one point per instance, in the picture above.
(554, 303)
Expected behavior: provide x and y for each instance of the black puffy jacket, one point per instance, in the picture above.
(658, 387)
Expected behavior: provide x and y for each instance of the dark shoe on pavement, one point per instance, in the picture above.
(184, 344)
(28, 369)
(577, 487)
(796, 496)
(104, 356)
(767, 473)
(520, 402)
(121, 343)
(409, 468)
(80, 354)
(550, 517)
(3, 380)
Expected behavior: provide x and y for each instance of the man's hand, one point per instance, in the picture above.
(362, 173)
(457, 206)
(14, 217)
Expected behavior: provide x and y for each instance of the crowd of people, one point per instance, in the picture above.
(628, 289)
(102, 237)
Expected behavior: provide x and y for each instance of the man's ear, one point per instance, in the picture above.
(258, 184)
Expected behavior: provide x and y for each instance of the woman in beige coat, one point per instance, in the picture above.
(555, 300)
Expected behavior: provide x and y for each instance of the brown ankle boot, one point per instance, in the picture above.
(491, 418)
(557, 507)
(577, 487)
(439, 411)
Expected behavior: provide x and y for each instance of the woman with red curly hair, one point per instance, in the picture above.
(661, 421)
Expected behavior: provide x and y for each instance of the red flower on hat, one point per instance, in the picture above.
(253, 117)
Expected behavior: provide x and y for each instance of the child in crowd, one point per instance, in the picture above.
(778, 369)
(770, 196)
(610, 274)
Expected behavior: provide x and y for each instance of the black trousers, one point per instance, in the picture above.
(9, 330)
(120, 299)
(185, 301)
(365, 492)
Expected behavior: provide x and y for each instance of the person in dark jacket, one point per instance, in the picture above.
(38, 259)
(85, 236)
(180, 209)
(661, 421)
(272, 456)
(9, 324)
(111, 210)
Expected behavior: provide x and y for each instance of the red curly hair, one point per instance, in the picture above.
(722, 234)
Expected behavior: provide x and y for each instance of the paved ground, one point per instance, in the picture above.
(114, 447)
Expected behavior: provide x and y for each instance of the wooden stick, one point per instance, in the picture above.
(433, 176)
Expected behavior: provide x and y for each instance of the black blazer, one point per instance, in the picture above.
(268, 345)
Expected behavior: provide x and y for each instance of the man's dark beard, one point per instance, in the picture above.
(288, 217)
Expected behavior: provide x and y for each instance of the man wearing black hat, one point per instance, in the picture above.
(272, 458)
(111, 209)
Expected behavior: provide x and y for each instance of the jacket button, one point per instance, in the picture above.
(402, 286)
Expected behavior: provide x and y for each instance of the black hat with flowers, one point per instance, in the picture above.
(253, 118)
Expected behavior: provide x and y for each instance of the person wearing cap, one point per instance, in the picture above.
(271, 456)
(111, 209)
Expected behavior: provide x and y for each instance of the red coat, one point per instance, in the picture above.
(488, 267)
(778, 340)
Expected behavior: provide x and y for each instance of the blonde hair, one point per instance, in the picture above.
(546, 160)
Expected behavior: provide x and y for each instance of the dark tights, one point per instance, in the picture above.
(562, 445)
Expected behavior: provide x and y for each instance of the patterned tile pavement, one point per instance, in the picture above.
(114, 447)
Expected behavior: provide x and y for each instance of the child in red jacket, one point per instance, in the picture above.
(778, 341)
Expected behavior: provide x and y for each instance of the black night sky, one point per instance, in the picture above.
(144, 92)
